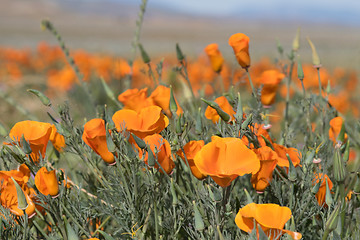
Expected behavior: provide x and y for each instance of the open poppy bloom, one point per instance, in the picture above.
(216, 59)
(8, 193)
(57, 139)
(46, 182)
(36, 133)
(270, 80)
(224, 159)
(190, 150)
(147, 121)
(321, 194)
(270, 217)
(135, 99)
(335, 129)
(162, 152)
(211, 113)
(294, 154)
(240, 44)
(268, 160)
(161, 97)
(95, 137)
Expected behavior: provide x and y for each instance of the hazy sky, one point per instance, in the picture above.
(344, 11)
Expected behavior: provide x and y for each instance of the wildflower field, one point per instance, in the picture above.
(176, 147)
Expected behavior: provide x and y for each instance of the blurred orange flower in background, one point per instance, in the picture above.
(46, 182)
(36, 133)
(270, 80)
(216, 59)
(95, 137)
(240, 44)
(191, 149)
(224, 159)
(270, 217)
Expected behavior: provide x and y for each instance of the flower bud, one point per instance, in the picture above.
(199, 223)
(172, 105)
(145, 57)
(339, 168)
(315, 56)
(22, 203)
(179, 54)
(296, 42)
(44, 99)
(224, 116)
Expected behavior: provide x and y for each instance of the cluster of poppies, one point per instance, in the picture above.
(16, 193)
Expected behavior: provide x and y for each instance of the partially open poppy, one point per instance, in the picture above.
(270, 217)
(294, 154)
(211, 113)
(161, 97)
(135, 99)
(146, 122)
(95, 137)
(190, 150)
(216, 59)
(162, 152)
(240, 44)
(57, 139)
(36, 133)
(335, 129)
(224, 159)
(268, 160)
(321, 194)
(46, 182)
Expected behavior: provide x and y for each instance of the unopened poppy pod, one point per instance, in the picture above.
(95, 137)
(270, 217)
(240, 44)
(224, 159)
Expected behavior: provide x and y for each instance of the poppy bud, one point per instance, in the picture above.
(172, 105)
(315, 56)
(240, 44)
(339, 168)
(224, 116)
(21, 198)
(199, 223)
(296, 42)
(179, 54)
(144, 55)
(44, 99)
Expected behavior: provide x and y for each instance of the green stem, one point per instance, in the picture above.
(251, 83)
(320, 87)
(75, 221)
(18, 107)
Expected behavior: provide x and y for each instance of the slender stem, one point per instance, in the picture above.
(288, 99)
(156, 221)
(320, 87)
(186, 76)
(251, 83)
(75, 221)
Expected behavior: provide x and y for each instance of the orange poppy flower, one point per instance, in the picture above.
(161, 97)
(216, 59)
(224, 159)
(135, 99)
(57, 139)
(95, 137)
(162, 152)
(321, 194)
(148, 121)
(46, 182)
(268, 160)
(8, 198)
(240, 44)
(21, 175)
(270, 80)
(260, 132)
(294, 154)
(270, 217)
(36, 133)
(335, 128)
(190, 150)
(224, 104)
